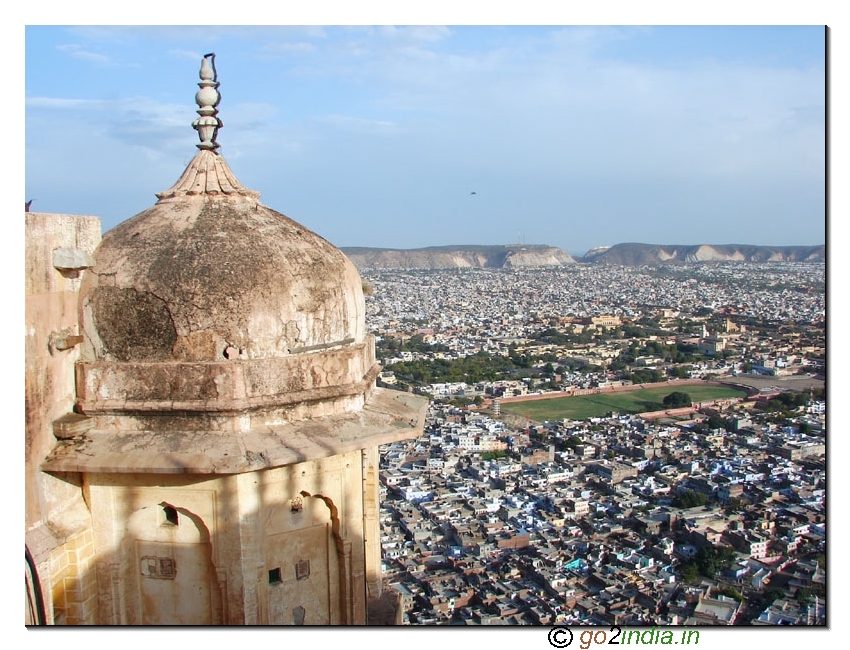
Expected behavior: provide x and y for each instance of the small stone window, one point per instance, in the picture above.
(275, 577)
(296, 504)
(171, 516)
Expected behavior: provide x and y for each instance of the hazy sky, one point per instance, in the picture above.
(574, 136)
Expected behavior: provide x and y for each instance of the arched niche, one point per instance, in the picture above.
(166, 574)
(307, 563)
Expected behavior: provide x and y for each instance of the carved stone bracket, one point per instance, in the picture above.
(70, 261)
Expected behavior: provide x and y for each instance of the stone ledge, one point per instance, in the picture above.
(388, 416)
(229, 406)
(224, 386)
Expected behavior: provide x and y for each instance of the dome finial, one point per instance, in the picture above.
(208, 173)
(207, 99)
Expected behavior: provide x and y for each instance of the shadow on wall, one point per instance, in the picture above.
(275, 547)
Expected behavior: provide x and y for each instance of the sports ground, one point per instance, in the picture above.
(638, 400)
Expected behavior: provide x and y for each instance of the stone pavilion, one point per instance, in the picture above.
(202, 418)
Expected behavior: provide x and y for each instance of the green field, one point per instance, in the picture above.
(633, 401)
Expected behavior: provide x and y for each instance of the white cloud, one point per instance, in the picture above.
(137, 121)
(357, 124)
(414, 34)
(288, 47)
(77, 52)
(190, 55)
(63, 103)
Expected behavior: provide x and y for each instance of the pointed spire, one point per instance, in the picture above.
(207, 98)
(207, 173)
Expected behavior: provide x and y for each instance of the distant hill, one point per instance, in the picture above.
(639, 254)
(458, 257)
(532, 255)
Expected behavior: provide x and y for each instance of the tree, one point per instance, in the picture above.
(682, 372)
(735, 504)
(573, 441)
(716, 422)
(773, 593)
(689, 572)
(677, 399)
(690, 499)
(711, 559)
(803, 595)
(731, 592)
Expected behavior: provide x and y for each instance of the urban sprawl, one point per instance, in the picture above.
(687, 511)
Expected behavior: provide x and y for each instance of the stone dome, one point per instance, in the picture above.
(209, 301)
(209, 273)
(216, 275)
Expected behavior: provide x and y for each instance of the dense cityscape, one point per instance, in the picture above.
(686, 511)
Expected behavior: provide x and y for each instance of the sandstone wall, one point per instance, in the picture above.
(57, 520)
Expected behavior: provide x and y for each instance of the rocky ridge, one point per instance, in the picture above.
(631, 254)
(534, 255)
(458, 257)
